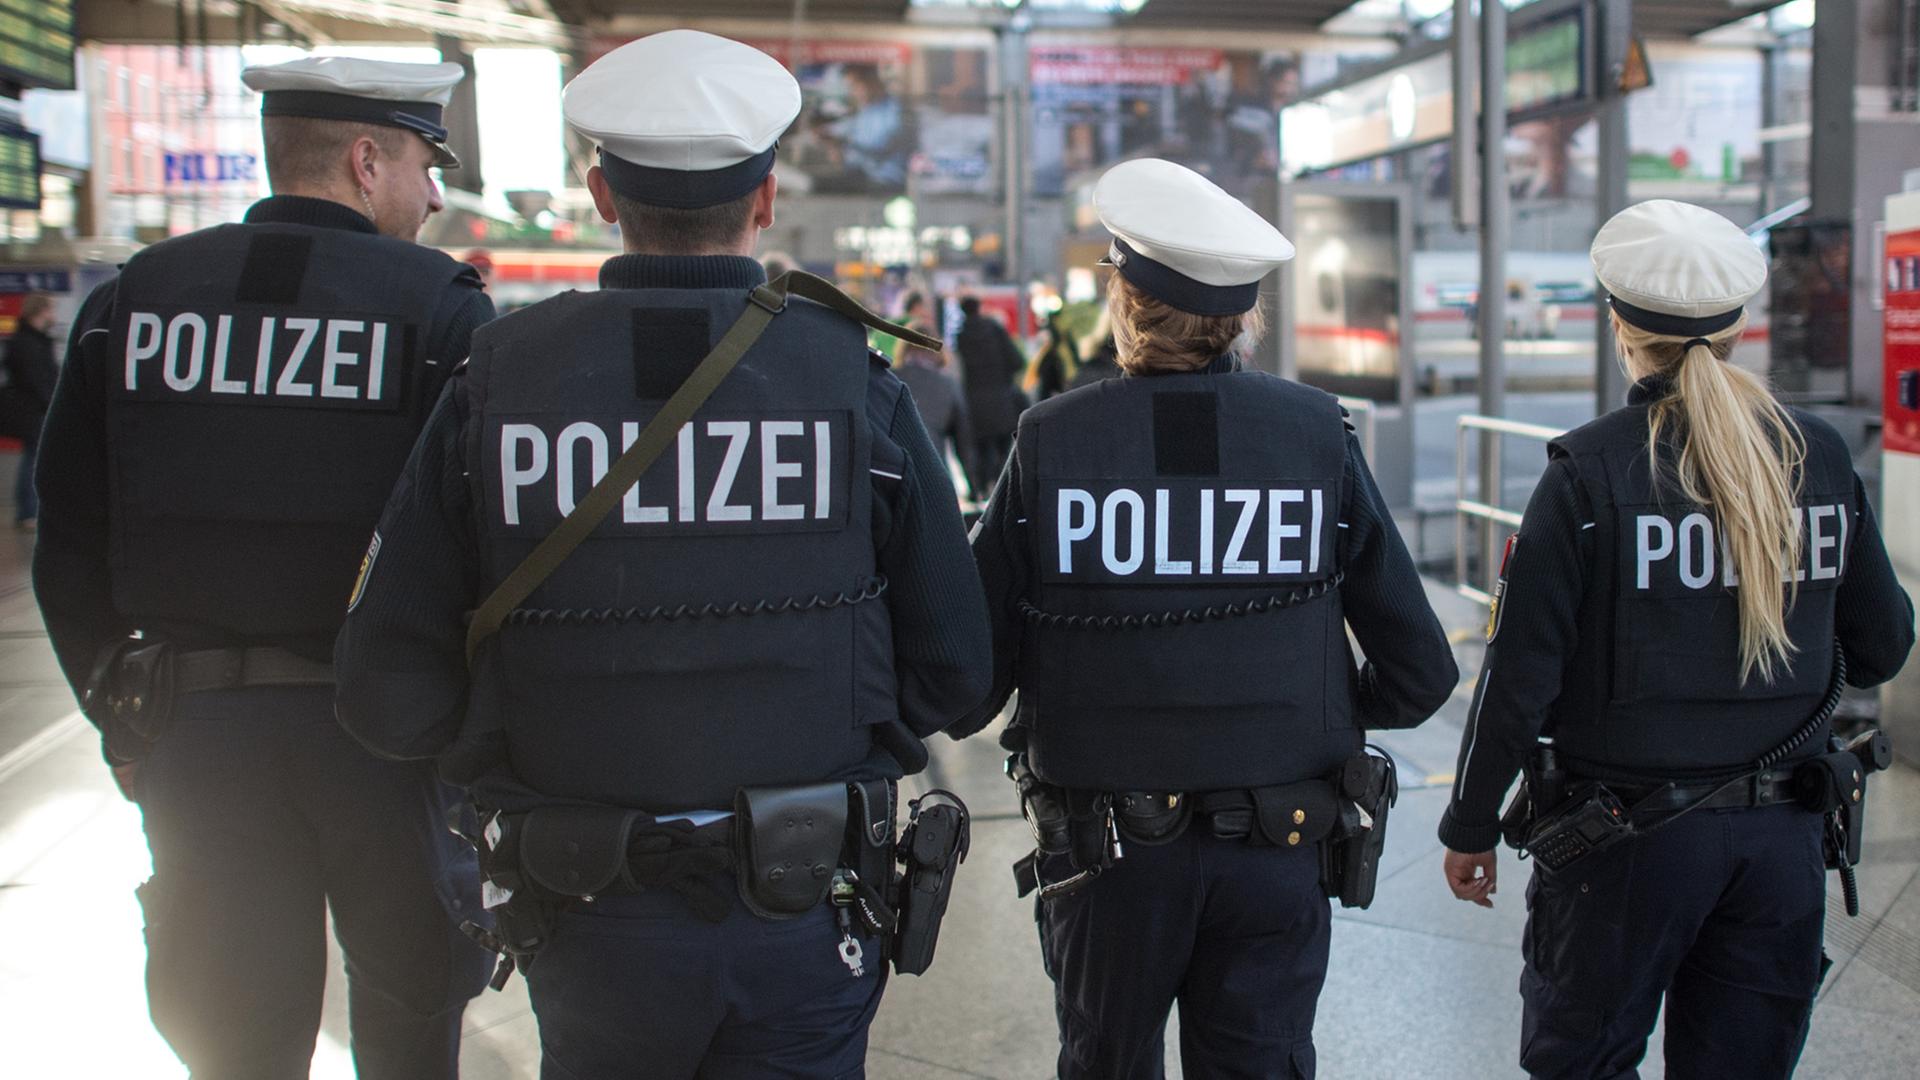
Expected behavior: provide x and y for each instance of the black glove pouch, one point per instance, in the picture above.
(788, 843)
(1290, 815)
(129, 695)
(577, 850)
(933, 847)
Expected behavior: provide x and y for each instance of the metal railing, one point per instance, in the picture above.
(1366, 424)
(1487, 507)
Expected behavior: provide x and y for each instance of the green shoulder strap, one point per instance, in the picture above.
(765, 302)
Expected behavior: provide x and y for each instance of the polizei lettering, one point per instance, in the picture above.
(1684, 553)
(216, 357)
(1179, 532)
(760, 474)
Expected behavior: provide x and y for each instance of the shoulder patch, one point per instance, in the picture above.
(366, 571)
(1496, 608)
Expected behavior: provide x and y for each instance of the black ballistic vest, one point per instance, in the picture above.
(1654, 688)
(265, 386)
(1177, 493)
(630, 686)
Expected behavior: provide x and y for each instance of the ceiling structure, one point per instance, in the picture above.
(552, 22)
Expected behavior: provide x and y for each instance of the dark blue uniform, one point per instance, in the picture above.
(232, 411)
(1616, 635)
(1170, 586)
(808, 473)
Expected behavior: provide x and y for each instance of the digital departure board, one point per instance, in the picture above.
(36, 43)
(19, 169)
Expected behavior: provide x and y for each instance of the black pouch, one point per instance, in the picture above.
(870, 849)
(129, 694)
(1043, 805)
(1152, 817)
(1369, 786)
(523, 913)
(1090, 829)
(1289, 815)
(934, 845)
(788, 841)
(1592, 819)
(577, 850)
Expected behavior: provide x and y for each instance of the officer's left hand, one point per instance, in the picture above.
(1472, 877)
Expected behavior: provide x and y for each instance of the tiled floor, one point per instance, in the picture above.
(1419, 986)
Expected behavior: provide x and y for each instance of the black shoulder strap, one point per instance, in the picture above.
(765, 302)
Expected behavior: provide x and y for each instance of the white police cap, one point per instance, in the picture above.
(1675, 268)
(383, 92)
(1179, 238)
(683, 119)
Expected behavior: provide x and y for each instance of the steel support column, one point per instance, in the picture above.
(1610, 191)
(1494, 239)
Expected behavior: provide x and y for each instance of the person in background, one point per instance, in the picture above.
(1058, 363)
(1102, 356)
(31, 374)
(943, 405)
(1667, 620)
(776, 263)
(990, 365)
(482, 262)
(915, 314)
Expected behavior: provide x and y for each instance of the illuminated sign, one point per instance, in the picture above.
(202, 167)
(1412, 104)
(36, 43)
(19, 169)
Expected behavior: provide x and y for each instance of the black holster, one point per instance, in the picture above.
(935, 843)
(1368, 787)
(129, 695)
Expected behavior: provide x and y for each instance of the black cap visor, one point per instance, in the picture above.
(1659, 322)
(682, 189)
(1176, 289)
(420, 117)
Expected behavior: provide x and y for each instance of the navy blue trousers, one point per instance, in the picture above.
(639, 985)
(1238, 935)
(1721, 913)
(262, 814)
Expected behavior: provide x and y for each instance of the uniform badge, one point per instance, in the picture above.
(366, 570)
(1496, 609)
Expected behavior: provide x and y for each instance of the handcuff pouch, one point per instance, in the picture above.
(789, 841)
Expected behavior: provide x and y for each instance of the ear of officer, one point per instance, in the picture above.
(807, 474)
(1204, 509)
(1616, 632)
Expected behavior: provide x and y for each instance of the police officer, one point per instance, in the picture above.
(784, 598)
(1169, 559)
(1668, 619)
(237, 404)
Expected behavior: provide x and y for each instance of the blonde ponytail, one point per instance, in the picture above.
(1741, 457)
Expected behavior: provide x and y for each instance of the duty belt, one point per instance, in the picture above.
(1769, 787)
(263, 665)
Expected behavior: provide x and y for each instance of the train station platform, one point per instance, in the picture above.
(1420, 985)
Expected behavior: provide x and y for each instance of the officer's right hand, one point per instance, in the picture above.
(1472, 877)
(127, 779)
